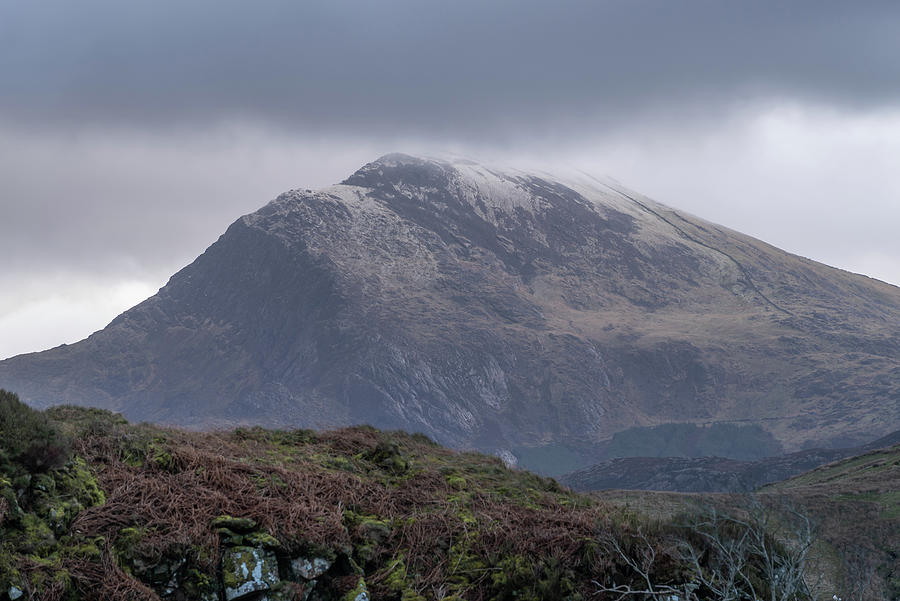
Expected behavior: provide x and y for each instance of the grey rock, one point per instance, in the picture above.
(310, 569)
(248, 570)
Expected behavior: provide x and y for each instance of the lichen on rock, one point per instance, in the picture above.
(310, 569)
(247, 570)
(239, 525)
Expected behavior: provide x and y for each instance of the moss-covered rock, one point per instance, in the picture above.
(388, 456)
(238, 525)
(162, 574)
(370, 527)
(248, 569)
(359, 593)
(59, 496)
(263, 540)
(197, 584)
(37, 538)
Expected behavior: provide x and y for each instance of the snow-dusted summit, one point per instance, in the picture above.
(495, 309)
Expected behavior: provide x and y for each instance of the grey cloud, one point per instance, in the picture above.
(468, 69)
(143, 205)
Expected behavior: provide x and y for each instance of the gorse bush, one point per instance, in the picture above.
(28, 438)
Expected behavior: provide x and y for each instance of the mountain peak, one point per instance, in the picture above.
(392, 168)
(491, 308)
(493, 193)
(402, 159)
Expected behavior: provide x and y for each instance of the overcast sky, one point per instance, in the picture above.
(133, 133)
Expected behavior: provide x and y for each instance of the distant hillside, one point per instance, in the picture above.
(707, 474)
(699, 474)
(672, 440)
(499, 310)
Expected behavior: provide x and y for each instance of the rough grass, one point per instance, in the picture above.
(421, 521)
(415, 520)
(855, 503)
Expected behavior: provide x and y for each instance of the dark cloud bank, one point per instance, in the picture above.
(466, 68)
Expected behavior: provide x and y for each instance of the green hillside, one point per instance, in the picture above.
(857, 501)
(854, 509)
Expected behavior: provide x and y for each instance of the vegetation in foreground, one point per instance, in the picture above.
(857, 504)
(92, 507)
(854, 505)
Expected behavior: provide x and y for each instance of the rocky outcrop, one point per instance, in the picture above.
(254, 566)
(492, 309)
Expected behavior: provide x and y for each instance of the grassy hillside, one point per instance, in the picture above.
(854, 505)
(96, 508)
(857, 501)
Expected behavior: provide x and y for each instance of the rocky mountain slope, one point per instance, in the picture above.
(492, 309)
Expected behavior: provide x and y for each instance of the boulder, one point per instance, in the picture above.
(310, 569)
(248, 570)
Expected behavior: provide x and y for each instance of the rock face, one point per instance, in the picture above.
(491, 309)
(248, 570)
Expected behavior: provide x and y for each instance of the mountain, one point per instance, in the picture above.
(493, 309)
